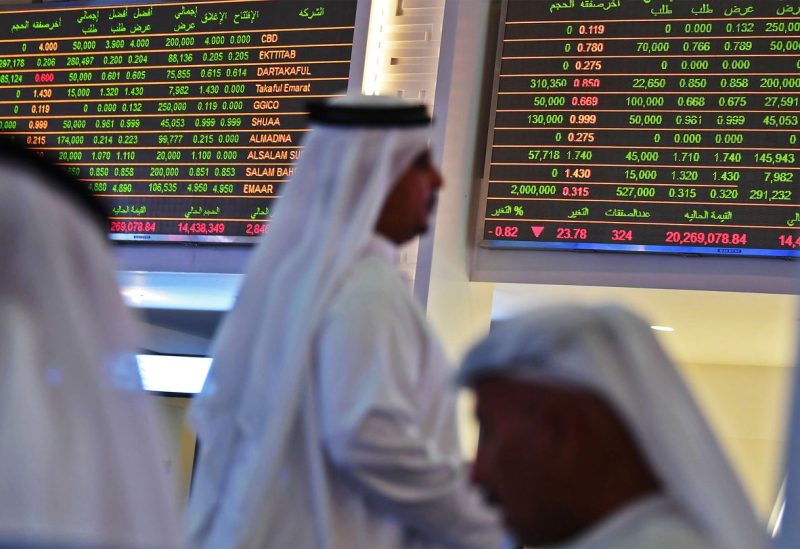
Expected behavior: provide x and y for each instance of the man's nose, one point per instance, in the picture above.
(438, 179)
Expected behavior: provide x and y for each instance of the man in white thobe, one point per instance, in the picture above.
(590, 439)
(80, 449)
(328, 419)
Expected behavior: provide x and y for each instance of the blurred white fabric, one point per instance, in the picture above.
(80, 457)
(650, 522)
(614, 353)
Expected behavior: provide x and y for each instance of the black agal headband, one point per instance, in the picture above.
(365, 115)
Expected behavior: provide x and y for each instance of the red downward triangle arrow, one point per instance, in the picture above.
(537, 230)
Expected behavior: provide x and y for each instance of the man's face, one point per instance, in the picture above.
(408, 207)
(526, 459)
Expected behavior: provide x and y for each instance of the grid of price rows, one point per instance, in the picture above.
(184, 118)
(647, 126)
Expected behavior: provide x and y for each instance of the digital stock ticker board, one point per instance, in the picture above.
(184, 118)
(668, 126)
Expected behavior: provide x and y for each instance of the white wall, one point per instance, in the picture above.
(747, 407)
(180, 442)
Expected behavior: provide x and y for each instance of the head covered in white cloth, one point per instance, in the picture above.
(613, 353)
(81, 456)
(351, 158)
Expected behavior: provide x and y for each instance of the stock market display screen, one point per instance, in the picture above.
(185, 118)
(669, 126)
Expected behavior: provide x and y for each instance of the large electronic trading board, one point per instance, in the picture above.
(668, 126)
(184, 118)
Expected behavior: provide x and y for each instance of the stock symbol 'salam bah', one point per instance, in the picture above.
(185, 118)
(646, 126)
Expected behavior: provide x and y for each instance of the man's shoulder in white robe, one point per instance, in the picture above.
(652, 523)
(385, 400)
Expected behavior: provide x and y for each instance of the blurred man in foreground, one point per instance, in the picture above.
(589, 438)
(80, 457)
(328, 419)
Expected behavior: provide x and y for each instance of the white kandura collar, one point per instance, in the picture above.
(383, 247)
(606, 531)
